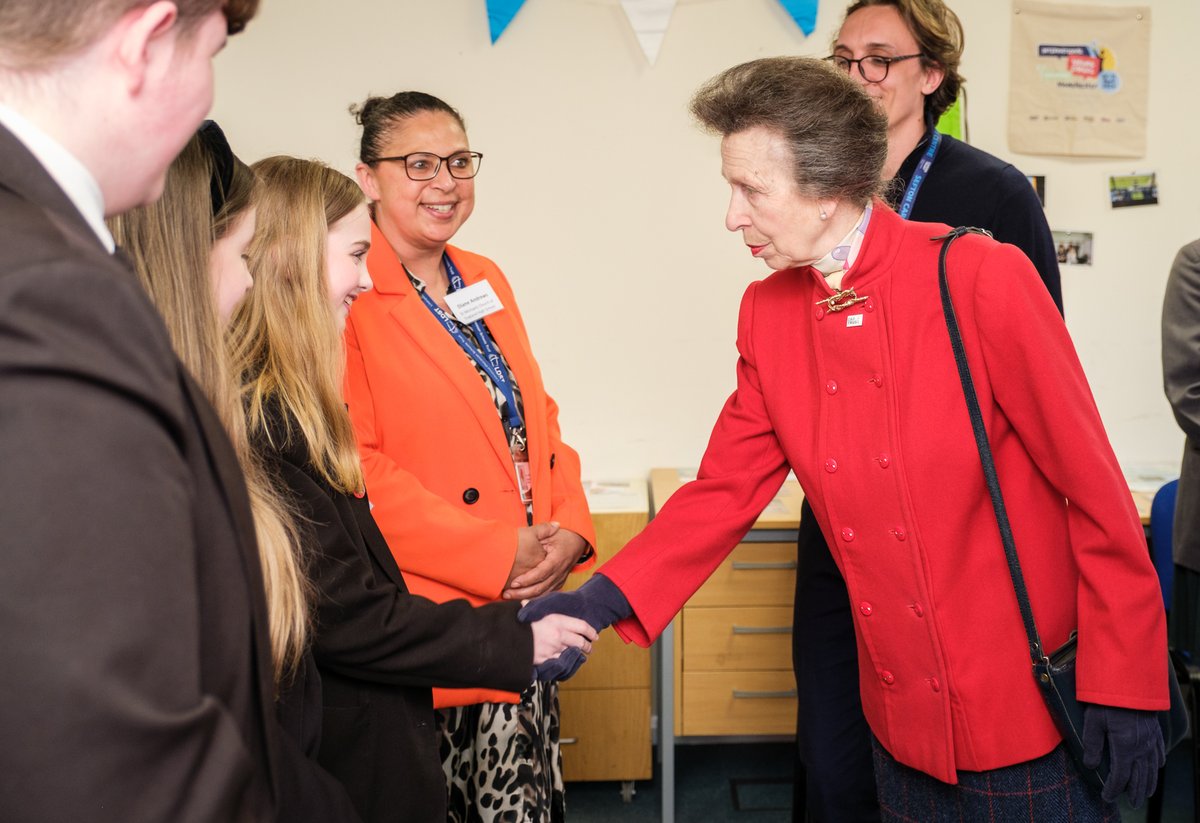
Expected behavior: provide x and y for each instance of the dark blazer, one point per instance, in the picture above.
(136, 683)
(1181, 379)
(379, 649)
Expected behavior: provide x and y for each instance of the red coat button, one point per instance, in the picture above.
(831, 465)
(831, 387)
(884, 461)
(899, 534)
(935, 685)
(917, 610)
(820, 313)
(876, 380)
(887, 677)
(869, 305)
(865, 608)
(848, 534)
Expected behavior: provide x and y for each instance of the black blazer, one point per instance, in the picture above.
(380, 649)
(136, 683)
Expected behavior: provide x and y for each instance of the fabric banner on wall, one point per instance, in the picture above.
(1079, 79)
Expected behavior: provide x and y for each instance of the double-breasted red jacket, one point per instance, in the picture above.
(866, 407)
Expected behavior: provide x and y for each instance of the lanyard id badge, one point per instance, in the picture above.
(487, 357)
(923, 167)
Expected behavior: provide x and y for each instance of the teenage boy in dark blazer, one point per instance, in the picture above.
(136, 681)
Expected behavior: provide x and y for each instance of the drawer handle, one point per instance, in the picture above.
(739, 694)
(567, 741)
(745, 566)
(762, 629)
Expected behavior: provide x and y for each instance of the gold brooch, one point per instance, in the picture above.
(844, 299)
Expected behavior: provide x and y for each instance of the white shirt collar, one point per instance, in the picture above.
(71, 175)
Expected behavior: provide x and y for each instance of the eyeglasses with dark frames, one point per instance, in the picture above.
(873, 67)
(424, 165)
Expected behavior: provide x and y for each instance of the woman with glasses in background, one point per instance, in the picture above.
(474, 489)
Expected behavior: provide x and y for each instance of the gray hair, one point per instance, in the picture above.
(836, 134)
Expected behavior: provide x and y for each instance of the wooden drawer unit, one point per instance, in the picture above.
(753, 638)
(763, 574)
(605, 733)
(733, 640)
(605, 707)
(739, 703)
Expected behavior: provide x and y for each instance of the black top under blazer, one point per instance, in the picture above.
(380, 649)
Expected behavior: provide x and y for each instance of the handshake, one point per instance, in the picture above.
(598, 602)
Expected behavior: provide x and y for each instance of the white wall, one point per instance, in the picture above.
(615, 242)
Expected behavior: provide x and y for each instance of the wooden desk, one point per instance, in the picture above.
(1143, 500)
(605, 707)
(725, 662)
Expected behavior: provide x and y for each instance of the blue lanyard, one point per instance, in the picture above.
(489, 359)
(923, 167)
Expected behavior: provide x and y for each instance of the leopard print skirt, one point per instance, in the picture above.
(502, 761)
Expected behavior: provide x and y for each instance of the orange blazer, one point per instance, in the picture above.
(436, 459)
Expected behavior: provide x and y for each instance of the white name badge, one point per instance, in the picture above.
(854, 321)
(472, 302)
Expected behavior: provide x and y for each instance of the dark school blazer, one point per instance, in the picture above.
(136, 682)
(380, 649)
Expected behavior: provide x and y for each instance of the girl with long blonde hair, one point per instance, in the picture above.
(379, 648)
(189, 252)
(178, 245)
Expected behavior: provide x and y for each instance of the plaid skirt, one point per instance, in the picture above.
(1046, 790)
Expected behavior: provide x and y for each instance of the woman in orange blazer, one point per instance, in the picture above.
(473, 488)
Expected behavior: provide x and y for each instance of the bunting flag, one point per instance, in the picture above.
(804, 12)
(500, 14)
(649, 19)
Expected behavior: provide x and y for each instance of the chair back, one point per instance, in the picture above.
(1162, 527)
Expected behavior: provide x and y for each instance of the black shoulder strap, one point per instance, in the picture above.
(985, 449)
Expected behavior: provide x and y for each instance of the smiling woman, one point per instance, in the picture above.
(460, 442)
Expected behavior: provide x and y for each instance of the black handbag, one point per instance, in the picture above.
(1054, 672)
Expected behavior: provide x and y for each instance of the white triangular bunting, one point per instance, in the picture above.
(649, 19)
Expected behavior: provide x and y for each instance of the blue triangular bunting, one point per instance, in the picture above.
(804, 12)
(500, 14)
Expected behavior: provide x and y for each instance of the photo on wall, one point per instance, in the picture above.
(1138, 189)
(1074, 247)
(1038, 181)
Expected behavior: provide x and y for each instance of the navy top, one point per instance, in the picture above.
(969, 187)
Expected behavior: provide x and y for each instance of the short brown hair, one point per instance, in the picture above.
(836, 134)
(35, 33)
(939, 36)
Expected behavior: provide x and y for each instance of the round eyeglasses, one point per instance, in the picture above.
(873, 67)
(423, 165)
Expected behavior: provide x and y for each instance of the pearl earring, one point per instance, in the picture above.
(824, 216)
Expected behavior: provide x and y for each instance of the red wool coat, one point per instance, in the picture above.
(866, 406)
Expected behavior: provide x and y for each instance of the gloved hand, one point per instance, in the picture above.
(1135, 750)
(598, 601)
(561, 667)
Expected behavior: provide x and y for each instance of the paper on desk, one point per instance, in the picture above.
(616, 495)
(1149, 477)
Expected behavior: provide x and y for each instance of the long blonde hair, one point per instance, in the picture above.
(171, 242)
(286, 344)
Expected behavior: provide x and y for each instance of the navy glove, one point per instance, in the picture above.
(598, 601)
(1135, 750)
(561, 667)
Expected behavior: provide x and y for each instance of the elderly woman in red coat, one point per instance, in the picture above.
(846, 377)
